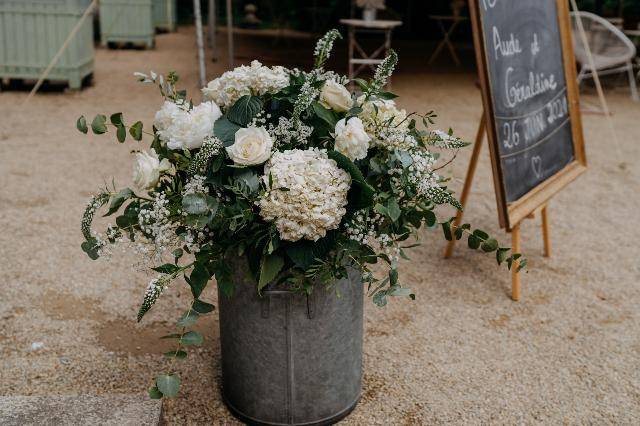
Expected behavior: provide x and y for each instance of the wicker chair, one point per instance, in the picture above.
(612, 51)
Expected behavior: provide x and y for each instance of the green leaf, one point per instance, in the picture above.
(380, 298)
(81, 124)
(116, 119)
(430, 218)
(154, 393)
(168, 384)
(490, 245)
(188, 319)
(386, 95)
(446, 229)
(90, 248)
(176, 354)
(198, 279)
(361, 194)
(202, 307)
(121, 133)
(192, 338)
(172, 336)
(98, 125)
(393, 208)
(195, 204)
(400, 292)
(167, 268)
(481, 234)
(118, 199)
(243, 111)
(225, 130)
(269, 269)
(474, 242)
(325, 114)
(136, 131)
(501, 255)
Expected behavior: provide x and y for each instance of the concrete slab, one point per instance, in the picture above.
(108, 410)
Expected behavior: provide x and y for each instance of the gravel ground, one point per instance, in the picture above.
(462, 353)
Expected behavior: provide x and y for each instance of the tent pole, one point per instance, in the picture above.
(198, 17)
(211, 25)
(230, 51)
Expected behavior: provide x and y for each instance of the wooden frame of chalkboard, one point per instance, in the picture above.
(513, 212)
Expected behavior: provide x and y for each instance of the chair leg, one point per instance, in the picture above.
(632, 83)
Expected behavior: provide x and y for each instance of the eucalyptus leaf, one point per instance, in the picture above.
(168, 384)
(154, 393)
(81, 124)
(192, 338)
(99, 124)
(195, 204)
(136, 131)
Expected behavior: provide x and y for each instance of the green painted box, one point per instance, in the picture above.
(164, 14)
(32, 32)
(126, 21)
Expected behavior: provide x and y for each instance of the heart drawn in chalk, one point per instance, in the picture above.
(536, 165)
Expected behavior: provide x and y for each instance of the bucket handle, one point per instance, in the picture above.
(266, 302)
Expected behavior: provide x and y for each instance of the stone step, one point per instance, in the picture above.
(108, 410)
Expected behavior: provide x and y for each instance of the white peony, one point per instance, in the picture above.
(381, 112)
(246, 80)
(335, 96)
(181, 128)
(251, 146)
(308, 194)
(351, 138)
(147, 169)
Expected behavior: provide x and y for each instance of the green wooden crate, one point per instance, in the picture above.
(126, 21)
(32, 32)
(165, 14)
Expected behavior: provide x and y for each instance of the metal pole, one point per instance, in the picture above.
(198, 17)
(230, 51)
(211, 25)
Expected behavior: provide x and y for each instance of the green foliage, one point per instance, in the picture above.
(270, 267)
(168, 385)
(225, 130)
(81, 124)
(98, 125)
(244, 110)
(136, 130)
(192, 338)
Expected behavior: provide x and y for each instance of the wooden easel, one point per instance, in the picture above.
(515, 230)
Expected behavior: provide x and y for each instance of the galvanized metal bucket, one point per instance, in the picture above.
(292, 359)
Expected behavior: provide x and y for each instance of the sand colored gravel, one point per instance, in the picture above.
(462, 353)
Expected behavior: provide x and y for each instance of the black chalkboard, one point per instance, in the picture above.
(528, 90)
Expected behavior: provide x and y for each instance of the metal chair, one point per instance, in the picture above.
(613, 52)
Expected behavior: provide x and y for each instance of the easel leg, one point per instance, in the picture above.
(466, 189)
(515, 276)
(546, 236)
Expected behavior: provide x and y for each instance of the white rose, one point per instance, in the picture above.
(252, 146)
(351, 139)
(147, 169)
(335, 96)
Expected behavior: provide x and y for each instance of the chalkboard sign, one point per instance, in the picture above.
(527, 74)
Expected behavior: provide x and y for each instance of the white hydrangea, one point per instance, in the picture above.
(181, 128)
(308, 194)
(255, 79)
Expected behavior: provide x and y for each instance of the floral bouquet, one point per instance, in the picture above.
(285, 168)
